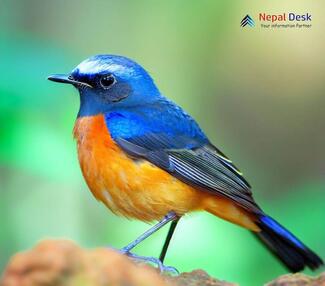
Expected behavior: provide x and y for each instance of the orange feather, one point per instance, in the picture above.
(137, 188)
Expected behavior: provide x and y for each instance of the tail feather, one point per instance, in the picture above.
(288, 248)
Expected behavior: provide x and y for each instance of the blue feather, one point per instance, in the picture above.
(280, 230)
(162, 117)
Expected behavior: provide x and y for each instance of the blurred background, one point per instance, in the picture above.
(258, 94)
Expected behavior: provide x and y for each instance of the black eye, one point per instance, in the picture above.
(107, 81)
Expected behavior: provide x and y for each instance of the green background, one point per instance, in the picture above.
(258, 94)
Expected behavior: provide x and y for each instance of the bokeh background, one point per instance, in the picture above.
(259, 95)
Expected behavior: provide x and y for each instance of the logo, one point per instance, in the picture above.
(280, 20)
(247, 20)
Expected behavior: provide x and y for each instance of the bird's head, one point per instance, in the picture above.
(108, 82)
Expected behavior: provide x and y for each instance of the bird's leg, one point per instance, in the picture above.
(168, 238)
(171, 216)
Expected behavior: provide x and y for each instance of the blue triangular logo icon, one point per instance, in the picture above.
(247, 20)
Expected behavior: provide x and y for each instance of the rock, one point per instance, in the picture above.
(63, 263)
(298, 279)
(197, 278)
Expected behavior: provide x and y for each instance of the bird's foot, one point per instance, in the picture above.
(151, 260)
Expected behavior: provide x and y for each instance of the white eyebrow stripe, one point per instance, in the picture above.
(93, 67)
(86, 66)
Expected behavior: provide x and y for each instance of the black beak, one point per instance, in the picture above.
(66, 78)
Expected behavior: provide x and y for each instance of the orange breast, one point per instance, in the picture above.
(137, 188)
(128, 187)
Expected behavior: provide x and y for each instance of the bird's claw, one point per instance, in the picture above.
(152, 260)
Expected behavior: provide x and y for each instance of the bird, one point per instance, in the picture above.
(145, 158)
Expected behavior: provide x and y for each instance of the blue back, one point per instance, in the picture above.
(162, 118)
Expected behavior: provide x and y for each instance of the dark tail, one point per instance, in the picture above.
(289, 249)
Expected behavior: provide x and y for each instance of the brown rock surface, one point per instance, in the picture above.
(298, 279)
(62, 263)
(197, 278)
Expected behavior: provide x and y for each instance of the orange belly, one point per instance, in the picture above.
(137, 188)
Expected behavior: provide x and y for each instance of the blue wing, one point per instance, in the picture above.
(172, 140)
